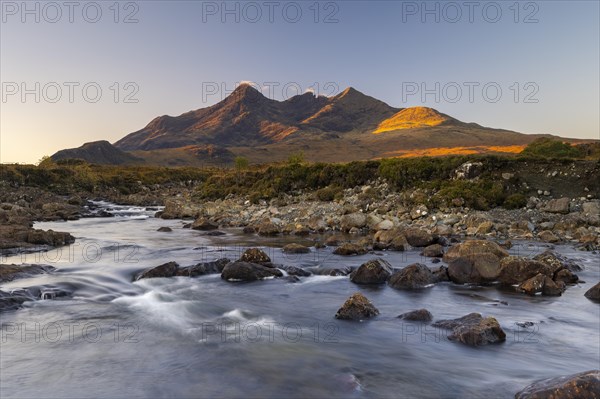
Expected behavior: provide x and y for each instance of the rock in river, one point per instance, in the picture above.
(204, 224)
(474, 247)
(164, 270)
(375, 271)
(357, 307)
(477, 269)
(417, 315)
(473, 329)
(255, 255)
(348, 249)
(295, 249)
(412, 276)
(203, 268)
(584, 385)
(593, 293)
(245, 271)
(516, 269)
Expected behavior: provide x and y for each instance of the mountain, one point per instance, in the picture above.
(100, 152)
(345, 127)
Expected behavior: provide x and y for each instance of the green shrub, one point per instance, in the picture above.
(515, 201)
(550, 148)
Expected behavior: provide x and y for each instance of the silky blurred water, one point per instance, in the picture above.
(206, 338)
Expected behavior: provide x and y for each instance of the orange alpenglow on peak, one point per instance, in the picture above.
(410, 118)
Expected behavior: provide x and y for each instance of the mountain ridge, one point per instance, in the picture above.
(345, 127)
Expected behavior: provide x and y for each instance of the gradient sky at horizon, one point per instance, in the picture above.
(178, 52)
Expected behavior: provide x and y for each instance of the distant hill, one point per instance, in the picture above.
(346, 127)
(99, 152)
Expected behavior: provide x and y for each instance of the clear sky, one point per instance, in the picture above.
(84, 71)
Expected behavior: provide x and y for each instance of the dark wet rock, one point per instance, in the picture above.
(475, 269)
(318, 271)
(440, 274)
(553, 288)
(50, 237)
(566, 276)
(357, 307)
(533, 285)
(473, 329)
(433, 251)
(249, 230)
(53, 293)
(474, 248)
(204, 224)
(254, 255)
(557, 261)
(215, 233)
(593, 293)
(187, 226)
(419, 238)
(417, 315)
(348, 249)
(13, 272)
(164, 270)
(333, 241)
(245, 271)
(301, 231)
(375, 271)
(585, 385)
(413, 276)
(203, 268)
(295, 249)
(291, 279)
(268, 229)
(13, 300)
(165, 229)
(548, 236)
(393, 240)
(296, 271)
(515, 270)
(560, 205)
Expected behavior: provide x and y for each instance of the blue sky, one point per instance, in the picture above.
(532, 67)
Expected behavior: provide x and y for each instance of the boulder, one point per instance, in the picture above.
(468, 170)
(476, 269)
(375, 271)
(384, 225)
(440, 274)
(533, 285)
(560, 205)
(317, 223)
(295, 249)
(14, 272)
(332, 241)
(164, 270)
(418, 237)
(557, 262)
(566, 276)
(249, 230)
(254, 255)
(593, 293)
(164, 229)
(204, 224)
(473, 329)
(357, 219)
(49, 237)
(516, 269)
(348, 249)
(357, 307)
(296, 271)
(585, 385)
(433, 251)
(268, 229)
(548, 236)
(474, 248)
(413, 276)
(203, 268)
(245, 271)
(417, 315)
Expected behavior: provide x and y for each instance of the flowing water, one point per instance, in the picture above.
(206, 338)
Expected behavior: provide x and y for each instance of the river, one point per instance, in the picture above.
(207, 338)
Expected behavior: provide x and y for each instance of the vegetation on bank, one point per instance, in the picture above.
(429, 178)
